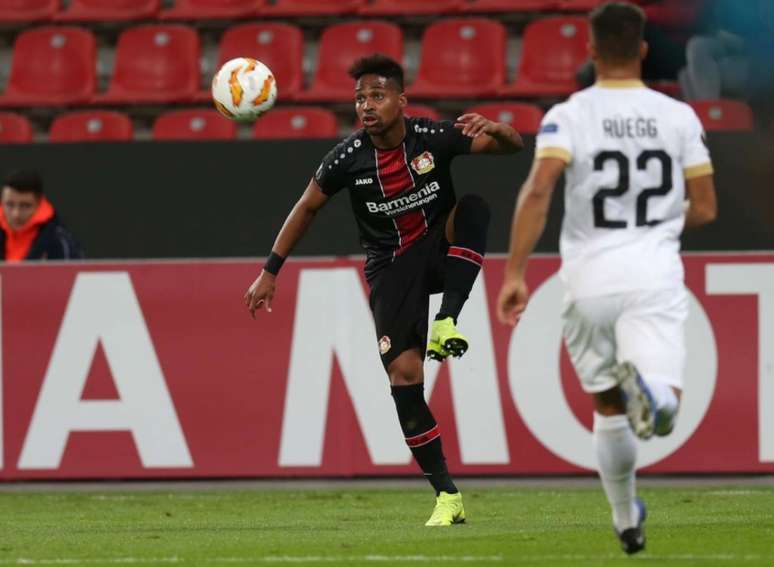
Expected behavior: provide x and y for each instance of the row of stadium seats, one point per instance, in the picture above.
(300, 122)
(201, 124)
(160, 64)
(18, 11)
(197, 124)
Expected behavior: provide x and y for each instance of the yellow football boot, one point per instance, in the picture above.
(448, 510)
(435, 351)
(446, 340)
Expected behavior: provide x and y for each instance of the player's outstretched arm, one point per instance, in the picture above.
(702, 202)
(529, 220)
(489, 137)
(261, 292)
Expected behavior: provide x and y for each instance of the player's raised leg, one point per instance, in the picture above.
(423, 436)
(651, 405)
(650, 340)
(466, 230)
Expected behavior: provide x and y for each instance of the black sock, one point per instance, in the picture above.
(465, 255)
(422, 435)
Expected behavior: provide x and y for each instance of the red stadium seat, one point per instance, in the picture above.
(280, 46)
(52, 66)
(212, 9)
(299, 122)
(462, 57)
(155, 64)
(14, 128)
(723, 114)
(493, 6)
(202, 124)
(296, 8)
(109, 10)
(552, 51)
(340, 46)
(410, 7)
(578, 5)
(676, 15)
(26, 11)
(522, 116)
(91, 126)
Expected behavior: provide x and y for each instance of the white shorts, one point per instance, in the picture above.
(645, 328)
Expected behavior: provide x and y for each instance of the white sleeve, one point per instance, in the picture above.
(554, 139)
(696, 158)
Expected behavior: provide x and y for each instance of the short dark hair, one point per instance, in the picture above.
(617, 29)
(378, 64)
(25, 181)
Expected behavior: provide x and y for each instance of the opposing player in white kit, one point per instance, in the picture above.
(637, 172)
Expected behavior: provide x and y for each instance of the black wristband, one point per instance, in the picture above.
(273, 263)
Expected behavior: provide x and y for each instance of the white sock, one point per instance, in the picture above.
(666, 403)
(663, 395)
(616, 449)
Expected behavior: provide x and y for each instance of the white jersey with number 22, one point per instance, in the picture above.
(628, 151)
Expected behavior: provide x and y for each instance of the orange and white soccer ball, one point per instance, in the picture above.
(244, 89)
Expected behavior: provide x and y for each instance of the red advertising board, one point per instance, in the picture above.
(155, 369)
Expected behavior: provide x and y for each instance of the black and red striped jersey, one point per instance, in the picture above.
(397, 194)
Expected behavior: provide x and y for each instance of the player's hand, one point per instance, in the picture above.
(474, 125)
(512, 300)
(260, 293)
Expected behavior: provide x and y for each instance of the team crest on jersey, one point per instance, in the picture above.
(384, 345)
(423, 163)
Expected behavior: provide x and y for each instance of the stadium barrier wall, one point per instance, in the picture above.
(155, 369)
(228, 199)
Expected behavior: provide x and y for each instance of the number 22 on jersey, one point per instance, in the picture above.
(623, 163)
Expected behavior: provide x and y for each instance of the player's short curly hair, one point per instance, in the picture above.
(617, 30)
(378, 64)
(25, 181)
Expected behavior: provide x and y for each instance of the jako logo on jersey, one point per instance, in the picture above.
(423, 163)
(364, 181)
(550, 128)
(385, 345)
(400, 204)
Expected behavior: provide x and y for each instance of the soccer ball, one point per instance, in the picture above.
(244, 89)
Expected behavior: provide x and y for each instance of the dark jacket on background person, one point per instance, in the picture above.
(44, 237)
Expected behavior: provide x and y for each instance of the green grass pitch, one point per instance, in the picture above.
(706, 525)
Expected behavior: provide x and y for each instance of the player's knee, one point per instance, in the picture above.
(404, 371)
(471, 223)
(404, 377)
(473, 210)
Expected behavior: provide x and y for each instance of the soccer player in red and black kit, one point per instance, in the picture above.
(418, 240)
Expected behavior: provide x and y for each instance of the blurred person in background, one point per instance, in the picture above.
(669, 25)
(29, 226)
(733, 57)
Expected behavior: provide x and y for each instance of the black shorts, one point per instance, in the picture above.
(400, 295)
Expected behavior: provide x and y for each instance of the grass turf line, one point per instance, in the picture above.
(712, 525)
